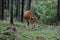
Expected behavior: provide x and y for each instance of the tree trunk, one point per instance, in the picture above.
(11, 11)
(58, 10)
(4, 3)
(18, 10)
(28, 4)
(2, 9)
(22, 11)
(8, 5)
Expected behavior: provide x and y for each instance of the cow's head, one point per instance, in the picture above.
(33, 20)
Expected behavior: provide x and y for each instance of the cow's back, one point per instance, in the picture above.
(27, 15)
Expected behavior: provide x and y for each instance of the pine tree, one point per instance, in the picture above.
(11, 11)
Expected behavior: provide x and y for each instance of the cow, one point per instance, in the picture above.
(29, 18)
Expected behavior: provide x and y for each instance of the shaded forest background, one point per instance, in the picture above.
(44, 10)
(13, 26)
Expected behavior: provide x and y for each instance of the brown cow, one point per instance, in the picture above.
(29, 18)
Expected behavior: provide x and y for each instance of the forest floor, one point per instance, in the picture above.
(41, 31)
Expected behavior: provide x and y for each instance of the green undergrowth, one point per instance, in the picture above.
(48, 32)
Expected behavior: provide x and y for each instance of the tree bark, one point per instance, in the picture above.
(18, 10)
(8, 5)
(58, 10)
(22, 11)
(28, 4)
(2, 10)
(11, 11)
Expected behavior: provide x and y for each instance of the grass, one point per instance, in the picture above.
(49, 32)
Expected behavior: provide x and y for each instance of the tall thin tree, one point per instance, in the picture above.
(11, 11)
(22, 11)
(58, 10)
(2, 16)
(8, 4)
(18, 10)
(0, 8)
(28, 4)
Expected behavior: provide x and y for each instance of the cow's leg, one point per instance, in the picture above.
(27, 24)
